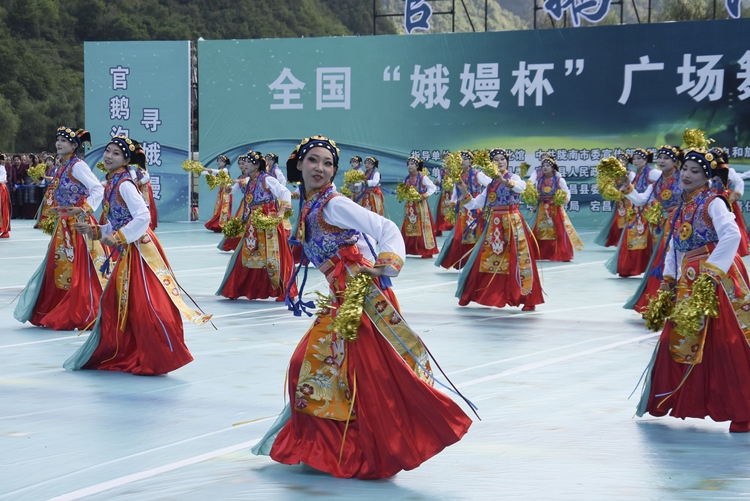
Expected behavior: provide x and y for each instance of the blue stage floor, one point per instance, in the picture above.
(552, 388)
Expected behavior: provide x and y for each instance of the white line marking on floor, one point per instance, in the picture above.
(552, 361)
(82, 336)
(127, 479)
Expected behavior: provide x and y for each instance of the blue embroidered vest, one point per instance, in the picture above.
(499, 195)
(693, 227)
(642, 179)
(256, 194)
(321, 240)
(668, 190)
(547, 187)
(369, 178)
(68, 190)
(471, 181)
(416, 181)
(114, 210)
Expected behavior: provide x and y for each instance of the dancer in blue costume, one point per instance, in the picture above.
(361, 400)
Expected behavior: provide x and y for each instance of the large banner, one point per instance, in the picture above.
(142, 89)
(584, 94)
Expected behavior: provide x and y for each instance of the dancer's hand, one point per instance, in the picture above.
(83, 228)
(109, 241)
(373, 272)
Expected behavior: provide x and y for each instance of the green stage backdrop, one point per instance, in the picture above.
(583, 93)
(142, 89)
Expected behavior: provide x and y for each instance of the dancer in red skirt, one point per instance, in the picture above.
(469, 224)
(418, 228)
(63, 293)
(609, 236)
(262, 263)
(361, 405)
(501, 269)
(138, 328)
(4, 200)
(554, 233)
(667, 193)
(223, 205)
(444, 207)
(704, 373)
(636, 242)
(735, 191)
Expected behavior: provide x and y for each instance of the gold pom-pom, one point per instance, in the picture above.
(689, 315)
(453, 168)
(192, 166)
(524, 169)
(447, 183)
(264, 222)
(407, 193)
(630, 213)
(607, 171)
(609, 191)
(611, 168)
(101, 167)
(222, 179)
(233, 228)
(47, 225)
(653, 214)
(483, 161)
(559, 197)
(530, 195)
(37, 172)
(349, 315)
(354, 176)
(696, 138)
(658, 310)
(346, 192)
(288, 213)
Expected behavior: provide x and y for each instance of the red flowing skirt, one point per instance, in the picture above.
(743, 250)
(215, 224)
(415, 245)
(152, 341)
(561, 248)
(401, 421)
(632, 262)
(718, 387)
(459, 252)
(615, 230)
(499, 290)
(4, 211)
(441, 222)
(253, 283)
(76, 307)
(152, 208)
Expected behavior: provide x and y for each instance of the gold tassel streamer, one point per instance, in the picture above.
(406, 193)
(349, 316)
(530, 195)
(559, 197)
(288, 213)
(192, 166)
(233, 228)
(47, 225)
(524, 169)
(658, 310)
(101, 167)
(346, 191)
(451, 217)
(690, 314)
(652, 214)
(263, 222)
